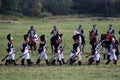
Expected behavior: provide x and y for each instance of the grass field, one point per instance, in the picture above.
(65, 72)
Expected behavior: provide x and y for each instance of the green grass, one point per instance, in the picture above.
(66, 72)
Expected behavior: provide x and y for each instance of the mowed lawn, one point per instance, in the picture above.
(65, 72)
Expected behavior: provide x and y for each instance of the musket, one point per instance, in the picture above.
(4, 58)
(73, 57)
(57, 54)
(19, 57)
(90, 54)
(52, 58)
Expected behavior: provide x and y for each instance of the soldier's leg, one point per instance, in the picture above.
(13, 59)
(97, 58)
(73, 61)
(22, 61)
(108, 62)
(7, 60)
(119, 40)
(115, 62)
(38, 61)
(62, 58)
(53, 61)
(109, 59)
(41, 55)
(104, 53)
(71, 58)
(97, 62)
(115, 59)
(46, 59)
(55, 57)
(90, 60)
(79, 59)
(108, 55)
(28, 59)
(70, 61)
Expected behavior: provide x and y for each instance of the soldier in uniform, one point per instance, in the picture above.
(75, 53)
(95, 54)
(58, 51)
(54, 32)
(10, 58)
(110, 30)
(94, 30)
(112, 52)
(80, 31)
(31, 31)
(33, 38)
(42, 50)
(26, 51)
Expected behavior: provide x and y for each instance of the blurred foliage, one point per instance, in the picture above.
(44, 8)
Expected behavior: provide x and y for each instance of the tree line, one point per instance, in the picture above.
(59, 7)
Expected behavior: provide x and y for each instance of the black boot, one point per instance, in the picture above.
(115, 62)
(13, 61)
(73, 61)
(28, 62)
(108, 62)
(70, 61)
(63, 61)
(79, 62)
(10, 61)
(53, 62)
(22, 62)
(38, 61)
(7, 62)
(31, 62)
(97, 62)
(108, 57)
(90, 62)
(60, 62)
(47, 62)
(104, 56)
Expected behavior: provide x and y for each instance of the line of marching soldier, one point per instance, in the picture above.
(109, 46)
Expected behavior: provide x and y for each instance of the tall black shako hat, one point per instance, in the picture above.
(76, 37)
(42, 37)
(9, 37)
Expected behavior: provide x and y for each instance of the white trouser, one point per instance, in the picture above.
(58, 56)
(79, 57)
(11, 55)
(62, 56)
(113, 55)
(26, 54)
(97, 56)
(43, 55)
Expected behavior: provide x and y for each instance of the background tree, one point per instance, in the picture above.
(0, 5)
(57, 7)
(9, 6)
(30, 7)
(60, 7)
